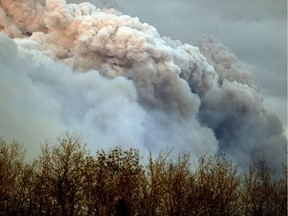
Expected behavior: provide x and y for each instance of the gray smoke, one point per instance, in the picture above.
(234, 110)
(118, 82)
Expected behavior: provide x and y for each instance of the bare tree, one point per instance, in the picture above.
(112, 181)
(152, 184)
(176, 188)
(263, 193)
(61, 174)
(11, 166)
(216, 187)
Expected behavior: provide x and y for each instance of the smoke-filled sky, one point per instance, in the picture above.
(120, 81)
(256, 31)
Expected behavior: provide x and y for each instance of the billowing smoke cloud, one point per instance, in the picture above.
(234, 110)
(118, 82)
(21, 17)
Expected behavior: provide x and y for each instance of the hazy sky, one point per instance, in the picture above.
(256, 31)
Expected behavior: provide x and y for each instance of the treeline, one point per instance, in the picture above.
(67, 180)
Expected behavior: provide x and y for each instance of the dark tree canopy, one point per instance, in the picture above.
(67, 179)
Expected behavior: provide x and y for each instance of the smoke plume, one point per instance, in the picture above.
(118, 82)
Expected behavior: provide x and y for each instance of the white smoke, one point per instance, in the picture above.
(118, 82)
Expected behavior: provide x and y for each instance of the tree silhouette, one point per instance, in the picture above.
(61, 174)
(67, 180)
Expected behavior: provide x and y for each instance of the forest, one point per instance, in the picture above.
(67, 179)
